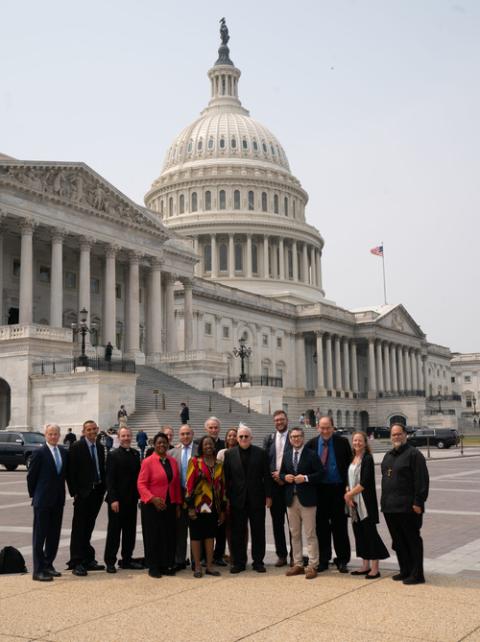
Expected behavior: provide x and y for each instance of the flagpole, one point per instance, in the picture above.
(384, 280)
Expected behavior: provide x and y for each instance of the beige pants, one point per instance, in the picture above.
(306, 515)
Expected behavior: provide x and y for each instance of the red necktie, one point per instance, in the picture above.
(324, 455)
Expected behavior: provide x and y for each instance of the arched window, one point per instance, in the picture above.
(208, 200)
(244, 144)
(285, 206)
(264, 147)
(182, 204)
(255, 146)
(190, 146)
(199, 146)
(222, 143)
(254, 258)
(194, 202)
(207, 257)
(233, 143)
(236, 199)
(264, 201)
(223, 256)
(210, 143)
(275, 203)
(222, 199)
(251, 200)
(238, 257)
(170, 206)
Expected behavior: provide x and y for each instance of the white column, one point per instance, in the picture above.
(295, 261)
(328, 348)
(274, 247)
(170, 313)
(26, 274)
(353, 359)
(300, 360)
(346, 365)
(109, 297)
(305, 263)
(56, 281)
(154, 319)
(214, 256)
(401, 379)
(386, 358)
(314, 265)
(266, 271)
(421, 381)
(249, 256)
(133, 305)
(372, 379)
(320, 375)
(281, 252)
(380, 386)
(231, 256)
(408, 378)
(393, 360)
(188, 315)
(84, 285)
(338, 365)
(413, 362)
(196, 269)
(319, 270)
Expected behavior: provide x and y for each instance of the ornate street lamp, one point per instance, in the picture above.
(475, 413)
(82, 329)
(244, 353)
(439, 399)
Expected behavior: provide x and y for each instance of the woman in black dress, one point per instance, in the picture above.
(361, 499)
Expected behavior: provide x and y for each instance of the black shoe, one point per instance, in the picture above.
(52, 572)
(153, 572)
(260, 568)
(237, 569)
(42, 577)
(342, 567)
(214, 573)
(95, 566)
(111, 568)
(168, 571)
(220, 562)
(372, 577)
(323, 566)
(398, 577)
(180, 567)
(80, 571)
(134, 566)
(360, 572)
(414, 580)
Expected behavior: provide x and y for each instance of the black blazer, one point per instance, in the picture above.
(367, 480)
(270, 448)
(45, 486)
(81, 472)
(308, 464)
(256, 487)
(343, 454)
(121, 476)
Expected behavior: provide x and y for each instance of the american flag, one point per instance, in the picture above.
(377, 251)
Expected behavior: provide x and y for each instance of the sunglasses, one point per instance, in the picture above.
(243, 436)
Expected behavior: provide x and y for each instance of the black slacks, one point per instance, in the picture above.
(407, 543)
(220, 541)
(123, 523)
(47, 524)
(278, 513)
(332, 522)
(181, 536)
(240, 517)
(159, 530)
(85, 512)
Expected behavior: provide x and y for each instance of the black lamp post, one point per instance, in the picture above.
(475, 414)
(439, 399)
(244, 353)
(82, 329)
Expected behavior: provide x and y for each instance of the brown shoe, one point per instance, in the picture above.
(310, 573)
(295, 570)
(281, 561)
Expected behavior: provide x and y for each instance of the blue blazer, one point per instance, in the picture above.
(46, 487)
(308, 464)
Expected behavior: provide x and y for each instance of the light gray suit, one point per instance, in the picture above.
(182, 523)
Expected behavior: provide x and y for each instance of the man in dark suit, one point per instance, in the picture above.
(301, 472)
(276, 445)
(335, 455)
(123, 466)
(86, 484)
(46, 487)
(248, 483)
(183, 453)
(212, 428)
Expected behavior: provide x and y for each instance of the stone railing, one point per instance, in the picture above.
(35, 331)
(191, 355)
(77, 365)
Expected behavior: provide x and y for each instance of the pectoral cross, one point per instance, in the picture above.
(389, 472)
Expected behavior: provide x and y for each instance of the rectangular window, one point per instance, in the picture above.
(208, 328)
(467, 379)
(44, 274)
(95, 285)
(279, 342)
(453, 379)
(265, 339)
(469, 403)
(118, 290)
(70, 280)
(226, 332)
(16, 267)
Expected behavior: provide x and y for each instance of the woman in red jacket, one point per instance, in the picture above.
(159, 488)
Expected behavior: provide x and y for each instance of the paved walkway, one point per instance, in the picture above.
(131, 607)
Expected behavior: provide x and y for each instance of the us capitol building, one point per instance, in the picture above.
(221, 253)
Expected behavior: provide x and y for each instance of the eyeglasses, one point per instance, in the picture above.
(243, 436)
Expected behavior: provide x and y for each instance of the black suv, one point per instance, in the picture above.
(439, 437)
(18, 447)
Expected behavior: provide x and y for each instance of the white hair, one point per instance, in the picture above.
(212, 419)
(55, 426)
(242, 426)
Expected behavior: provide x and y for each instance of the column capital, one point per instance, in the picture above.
(171, 278)
(319, 333)
(156, 262)
(86, 242)
(27, 225)
(111, 250)
(134, 257)
(187, 282)
(58, 234)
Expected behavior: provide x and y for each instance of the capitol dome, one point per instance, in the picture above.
(226, 185)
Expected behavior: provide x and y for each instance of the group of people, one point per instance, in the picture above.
(218, 491)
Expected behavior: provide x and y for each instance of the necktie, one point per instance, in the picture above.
(94, 457)
(324, 455)
(295, 461)
(184, 465)
(58, 459)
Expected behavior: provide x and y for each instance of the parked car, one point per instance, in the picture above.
(383, 432)
(17, 448)
(439, 437)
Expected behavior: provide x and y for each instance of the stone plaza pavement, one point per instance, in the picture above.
(131, 607)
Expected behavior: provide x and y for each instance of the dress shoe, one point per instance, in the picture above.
(95, 566)
(295, 570)
(111, 568)
(197, 573)
(168, 571)
(360, 572)
(42, 577)
(372, 577)
(260, 568)
(220, 562)
(179, 567)
(212, 572)
(80, 571)
(134, 566)
(154, 572)
(323, 566)
(237, 569)
(310, 573)
(398, 577)
(342, 568)
(414, 580)
(281, 561)
(52, 572)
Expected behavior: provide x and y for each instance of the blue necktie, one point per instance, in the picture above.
(184, 465)
(58, 459)
(94, 457)
(295, 461)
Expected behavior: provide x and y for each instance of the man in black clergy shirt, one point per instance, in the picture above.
(123, 466)
(405, 482)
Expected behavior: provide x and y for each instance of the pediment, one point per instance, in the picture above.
(77, 185)
(399, 320)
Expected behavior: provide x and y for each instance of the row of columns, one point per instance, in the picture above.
(307, 266)
(394, 368)
(341, 352)
(154, 294)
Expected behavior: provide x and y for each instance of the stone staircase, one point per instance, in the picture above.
(202, 404)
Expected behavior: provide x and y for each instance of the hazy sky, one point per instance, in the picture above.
(377, 104)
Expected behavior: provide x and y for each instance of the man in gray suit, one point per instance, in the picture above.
(183, 453)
